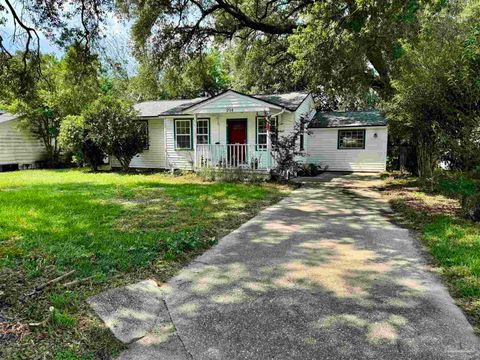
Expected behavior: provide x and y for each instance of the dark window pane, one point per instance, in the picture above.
(202, 139)
(183, 142)
(262, 141)
(182, 127)
(261, 123)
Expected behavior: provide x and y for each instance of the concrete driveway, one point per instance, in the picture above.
(322, 275)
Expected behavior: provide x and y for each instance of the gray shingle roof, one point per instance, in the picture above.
(164, 107)
(290, 101)
(4, 117)
(347, 119)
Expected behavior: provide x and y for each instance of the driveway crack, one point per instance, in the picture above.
(176, 331)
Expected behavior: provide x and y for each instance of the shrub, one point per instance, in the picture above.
(464, 188)
(471, 207)
(232, 175)
(113, 127)
(287, 152)
(310, 170)
(74, 138)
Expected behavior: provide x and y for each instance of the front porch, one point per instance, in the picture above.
(231, 156)
(233, 131)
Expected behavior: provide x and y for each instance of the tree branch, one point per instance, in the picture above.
(29, 31)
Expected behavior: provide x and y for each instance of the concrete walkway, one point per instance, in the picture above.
(321, 275)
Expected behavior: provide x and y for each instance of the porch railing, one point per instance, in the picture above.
(231, 156)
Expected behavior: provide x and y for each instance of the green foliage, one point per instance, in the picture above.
(437, 92)
(287, 151)
(236, 175)
(112, 127)
(261, 66)
(471, 207)
(181, 242)
(200, 75)
(456, 245)
(63, 320)
(348, 48)
(74, 137)
(459, 187)
(67, 354)
(71, 136)
(42, 98)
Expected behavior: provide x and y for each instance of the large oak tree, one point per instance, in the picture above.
(346, 45)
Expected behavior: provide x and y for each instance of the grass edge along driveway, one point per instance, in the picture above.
(110, 229)
(453, 242)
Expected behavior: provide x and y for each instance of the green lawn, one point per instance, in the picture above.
(111, 229)
(453, 241)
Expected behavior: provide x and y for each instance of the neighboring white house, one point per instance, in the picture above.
(230, 130)
(18, 149)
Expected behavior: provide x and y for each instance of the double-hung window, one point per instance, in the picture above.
(262, 132)
(203, 131)
(183, 134)
(351, 139)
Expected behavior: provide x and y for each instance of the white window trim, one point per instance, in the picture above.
(208, 132)
(176, 134)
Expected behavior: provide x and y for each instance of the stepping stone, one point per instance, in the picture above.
(132, 311)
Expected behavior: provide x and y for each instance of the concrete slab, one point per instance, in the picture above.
(321, 275)
(161, 339)
(131, 312)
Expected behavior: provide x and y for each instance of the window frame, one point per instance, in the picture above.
(208, 131)
(272, 134)
(147, 133)
(339, 132)
(175, 134)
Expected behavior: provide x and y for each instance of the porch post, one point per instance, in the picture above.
(194, 133)
(269, 143)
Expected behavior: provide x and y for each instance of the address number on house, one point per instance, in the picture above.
(229, 109)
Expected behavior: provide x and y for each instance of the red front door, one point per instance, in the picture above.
(237, 131)
(237, 135)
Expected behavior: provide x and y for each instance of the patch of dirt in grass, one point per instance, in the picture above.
(402, 193)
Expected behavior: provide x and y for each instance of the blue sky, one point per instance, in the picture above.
(116, 30)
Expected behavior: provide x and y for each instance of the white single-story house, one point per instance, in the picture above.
(18, 148)
(230, 130)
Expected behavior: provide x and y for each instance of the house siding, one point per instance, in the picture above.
(322, 150)
(17, 146)
(305, 107)
(154, 157)
(176, 159)
(232, 103)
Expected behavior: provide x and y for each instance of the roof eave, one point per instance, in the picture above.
(189, 109)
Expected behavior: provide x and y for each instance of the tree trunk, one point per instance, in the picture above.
(402, 159)
(124, 163)
(426, 162)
